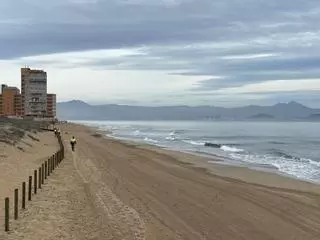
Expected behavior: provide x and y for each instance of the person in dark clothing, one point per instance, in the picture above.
(73, 142)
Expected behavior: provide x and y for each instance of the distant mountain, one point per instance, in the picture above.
(79, 110)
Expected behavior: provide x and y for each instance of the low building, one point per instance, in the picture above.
(51, 105)
(10, 101)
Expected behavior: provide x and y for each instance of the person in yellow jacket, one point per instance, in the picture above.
(73, 142)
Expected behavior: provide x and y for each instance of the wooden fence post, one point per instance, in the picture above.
(23, 195)
(42, 173)
(16, 202)
(35, 182)
(45, 169)
(52, 164)
(6, 214)
(29, 188)
(49, 166)
(39, 180)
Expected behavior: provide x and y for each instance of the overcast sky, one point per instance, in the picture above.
(166, 52)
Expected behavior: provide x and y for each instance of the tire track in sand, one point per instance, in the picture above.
(124, 222)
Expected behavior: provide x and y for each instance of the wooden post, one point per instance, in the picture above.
(29, 188)
(50, 169)
(52, 165)
(6, 214)
(49, 166)
(39, 180)
(23, 195)
(45, 169)
(35, 182)
(42, 173)
(16, 202)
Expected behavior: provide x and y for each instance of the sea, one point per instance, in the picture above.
(289, 148)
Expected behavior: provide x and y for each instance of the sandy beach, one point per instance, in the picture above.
(108, 189)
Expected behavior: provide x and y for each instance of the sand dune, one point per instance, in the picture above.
(18, 161)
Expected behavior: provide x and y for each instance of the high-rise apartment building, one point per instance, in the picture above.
(10, 101)
(34, 92)
(51, 105)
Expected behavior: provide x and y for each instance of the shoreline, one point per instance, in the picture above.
(208, 159)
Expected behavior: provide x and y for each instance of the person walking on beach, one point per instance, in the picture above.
(73, 142)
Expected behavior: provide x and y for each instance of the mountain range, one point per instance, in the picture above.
(79, 110)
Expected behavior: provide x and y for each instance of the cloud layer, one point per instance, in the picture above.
(243, 44)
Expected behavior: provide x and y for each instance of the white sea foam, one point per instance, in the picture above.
(136, 132)
(150, 140)
(172, 133)
(301, 168)
(198, 143)
(171, 138)
(230, 149)
(314, 162)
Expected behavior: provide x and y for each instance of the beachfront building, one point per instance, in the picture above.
(34, 101)
(10, 101)
(34, 92)
(51, 105)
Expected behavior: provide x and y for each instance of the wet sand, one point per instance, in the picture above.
(108, 189)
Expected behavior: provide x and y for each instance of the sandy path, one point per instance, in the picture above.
(111, 190)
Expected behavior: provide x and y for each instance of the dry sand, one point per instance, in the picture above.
(108, 189)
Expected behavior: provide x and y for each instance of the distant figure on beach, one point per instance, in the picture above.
(56, 131)
(73, 142)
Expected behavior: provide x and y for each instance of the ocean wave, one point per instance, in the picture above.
(171, 138)
(172, 133)
(197, 143)
(150, 140)
(231, 149)
(225, 148)
(214, 145)
(299, 167)
(314, 162)
(136, 132)
(285, 155)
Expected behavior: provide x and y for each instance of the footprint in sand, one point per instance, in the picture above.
(124, 220)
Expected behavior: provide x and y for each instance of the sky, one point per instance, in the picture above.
(166, 52)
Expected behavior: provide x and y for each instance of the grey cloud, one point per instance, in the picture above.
(192, 37)
(112, 24)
